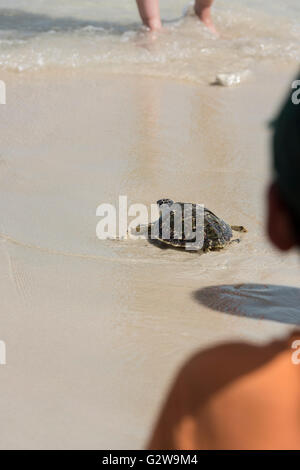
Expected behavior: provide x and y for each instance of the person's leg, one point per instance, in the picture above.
(202, 10)
(149, 12)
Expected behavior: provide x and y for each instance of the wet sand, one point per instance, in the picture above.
(95, 330)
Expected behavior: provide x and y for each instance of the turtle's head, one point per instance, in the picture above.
(167, 201)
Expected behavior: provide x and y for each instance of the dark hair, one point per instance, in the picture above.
(296, 223)
(286, 155)
(294, 215)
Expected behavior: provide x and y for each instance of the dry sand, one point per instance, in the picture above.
(95, 330)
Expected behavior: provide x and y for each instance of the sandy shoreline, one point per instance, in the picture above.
(95, 330)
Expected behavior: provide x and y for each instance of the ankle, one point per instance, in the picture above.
(203, 13)
(153, 24)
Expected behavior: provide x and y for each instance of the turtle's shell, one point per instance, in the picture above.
(167, 230)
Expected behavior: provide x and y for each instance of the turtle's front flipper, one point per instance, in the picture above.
(139, 230)
(238, 228)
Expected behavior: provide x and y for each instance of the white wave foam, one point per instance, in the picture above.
(184, 49)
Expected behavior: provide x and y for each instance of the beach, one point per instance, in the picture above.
(95, 330)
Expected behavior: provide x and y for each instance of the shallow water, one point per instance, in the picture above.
(107, 34)
(158, 139)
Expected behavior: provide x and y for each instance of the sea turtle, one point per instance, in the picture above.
(217, 233)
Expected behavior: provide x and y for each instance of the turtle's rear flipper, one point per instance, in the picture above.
(235, 240)
(239, 228)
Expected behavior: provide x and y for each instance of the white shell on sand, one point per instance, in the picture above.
(230, 79)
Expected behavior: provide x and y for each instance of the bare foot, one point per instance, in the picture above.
(204, 15)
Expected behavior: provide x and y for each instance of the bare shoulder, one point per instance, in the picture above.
(217, 366)
(236, 383)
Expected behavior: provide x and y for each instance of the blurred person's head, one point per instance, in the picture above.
(284, 192)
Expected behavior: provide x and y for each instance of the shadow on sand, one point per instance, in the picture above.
(259, 301)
